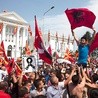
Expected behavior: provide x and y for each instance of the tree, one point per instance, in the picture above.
(87, 35)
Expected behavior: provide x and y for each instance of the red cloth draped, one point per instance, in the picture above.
(49, 50)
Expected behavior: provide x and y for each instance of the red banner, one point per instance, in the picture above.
(43, 54)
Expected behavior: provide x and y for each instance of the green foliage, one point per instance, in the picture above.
(87, 35)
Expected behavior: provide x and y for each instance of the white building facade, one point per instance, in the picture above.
(58, 44)
(13, 42)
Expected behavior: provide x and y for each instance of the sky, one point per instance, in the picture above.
(54, 20)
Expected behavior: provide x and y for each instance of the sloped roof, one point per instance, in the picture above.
(12, 16)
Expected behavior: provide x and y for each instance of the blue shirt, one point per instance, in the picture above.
(83, 53)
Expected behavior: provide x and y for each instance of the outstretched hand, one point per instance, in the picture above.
(74, 67)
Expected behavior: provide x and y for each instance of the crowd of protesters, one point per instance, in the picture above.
(58, 80)
(51, 81)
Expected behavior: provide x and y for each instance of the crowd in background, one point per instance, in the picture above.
(59, 80)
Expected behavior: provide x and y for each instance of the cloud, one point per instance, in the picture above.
(60, 23)
(93, 6)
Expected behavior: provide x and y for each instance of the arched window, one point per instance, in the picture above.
(9, 51)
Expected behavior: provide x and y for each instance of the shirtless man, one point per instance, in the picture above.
(93, 83)
(76, 89)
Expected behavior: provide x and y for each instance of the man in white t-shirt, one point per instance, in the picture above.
(56, 89)
(3, 73)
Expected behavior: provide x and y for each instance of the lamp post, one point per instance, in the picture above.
(45, 14)
(48, 10)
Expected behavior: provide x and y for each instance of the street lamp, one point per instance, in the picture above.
(48, 10)
(45, 14)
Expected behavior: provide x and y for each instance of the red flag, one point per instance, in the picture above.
(27, 49)
(15, 30)
(43, 54)
(68, 56)
(10, 66)
(80, 17)
(3, 51)
(18, 69)
(3, 55)
(1, 27)
(94, 44)
(1, 61)
(29, 30)
(49, 50)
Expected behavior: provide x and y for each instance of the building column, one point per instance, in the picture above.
(3, 36)
(3, 33)
(17, 43)
(23, 37)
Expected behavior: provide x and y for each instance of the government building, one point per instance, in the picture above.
(13, 32)
(58, 42)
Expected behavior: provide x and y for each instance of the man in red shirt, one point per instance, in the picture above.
(3, 88)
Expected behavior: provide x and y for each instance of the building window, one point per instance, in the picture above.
(12, 38)
(9, 51)
(9, 30)
(6, 29)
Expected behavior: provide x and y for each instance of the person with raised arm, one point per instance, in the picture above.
(83, 48)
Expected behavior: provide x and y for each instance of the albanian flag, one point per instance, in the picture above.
(80, 17)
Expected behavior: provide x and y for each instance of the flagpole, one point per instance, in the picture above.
(23, 67)
(37, 60)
